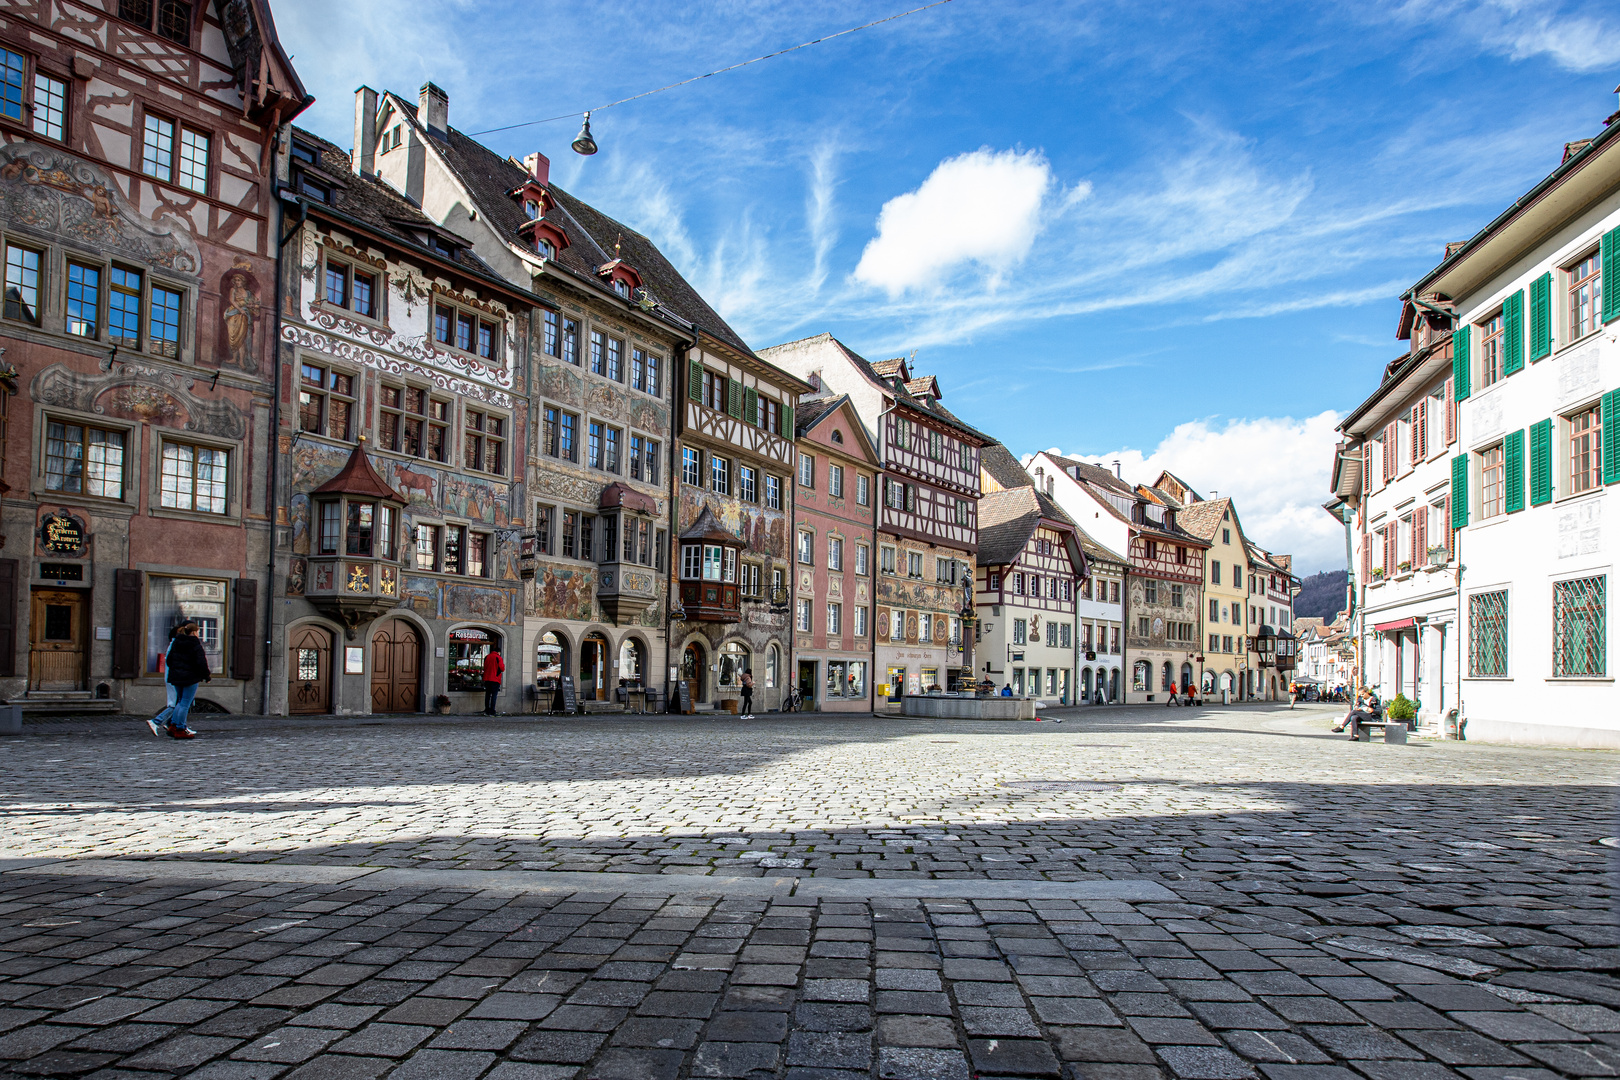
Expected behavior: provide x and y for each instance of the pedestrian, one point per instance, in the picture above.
(494, 669)
(1006, 690)
(187, 664)
(161, 721)
(1171, 700)
(1293, 693)
(747, 695)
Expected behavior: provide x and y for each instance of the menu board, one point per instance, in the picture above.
(569, 695)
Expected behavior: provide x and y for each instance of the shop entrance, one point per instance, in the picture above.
(396, 668)
(693, 664)
(309, 671)
(593, 658)
(56, 641)
(807, 685)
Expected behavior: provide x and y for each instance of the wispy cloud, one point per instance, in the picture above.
(1567, 35)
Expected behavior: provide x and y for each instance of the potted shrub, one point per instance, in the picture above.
(1403, 709)
(442, 704)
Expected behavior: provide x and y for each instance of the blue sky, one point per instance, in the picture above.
(1169, 235)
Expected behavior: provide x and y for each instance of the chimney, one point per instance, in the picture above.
(364, 155)
(539, 167)
(433, 110)
(1117, 473)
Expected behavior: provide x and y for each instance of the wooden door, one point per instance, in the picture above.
(56, 641)
(693, 664)
(309, 671)
(396, 668)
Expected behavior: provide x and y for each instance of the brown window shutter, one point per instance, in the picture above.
(243, 637)
(1366, 558)
(8, 616)
(1451, 414)
(1366, 466)
(1420, 538)
(1421, 434)
(128, 586)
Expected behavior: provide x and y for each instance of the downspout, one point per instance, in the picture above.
(1457, 554)
(880, 503)
(275, 451)
(677, 412)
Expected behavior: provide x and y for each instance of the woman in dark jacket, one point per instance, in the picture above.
(187, 667)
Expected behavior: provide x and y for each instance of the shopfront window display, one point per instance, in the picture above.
(468, 647)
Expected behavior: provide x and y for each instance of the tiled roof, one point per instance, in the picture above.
(1003, 468)
(1094, 474)
(1007, 519)
(1203, 518)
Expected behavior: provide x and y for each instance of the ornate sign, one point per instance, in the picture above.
(61, 533)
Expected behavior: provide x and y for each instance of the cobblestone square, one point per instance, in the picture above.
(1107, 894)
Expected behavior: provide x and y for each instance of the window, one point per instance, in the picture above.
(807, 548)
(410, 422)
(468, 646)
(455, 537)
(773, 492)
(615, 360)
(598, 353)
(570, 341)
(193, 478)
(945, 571)
(551, 333)
(485, 443)
(1580, 639)
(13, 72)
(84, 460)
(1488, 634)
(1237, 580)
(193, 174)
(83, 300)
(173, 17)
(802, 616)
(835, 553)
(1490, 350)
(807, 471)
(170, 600)
(863, 490)
(477, 554)
(835, 618)
(747, 483)
(1214, 611)
(427, 547)
(157, 148)
(1175, 595)
(1586, 450)
(714, 391)
(863, 559)
(925, 627)
(593, 444)
(1585, 296)
(325, 401)
(1020, 632)
(961, 511)
(902, 433)
(1492, 488)
(691, 466)
(860, 622)
(22, 282)
(751, 582)
(124, 307)
(50, 106)
(914, 564)
(1051, 635)
(886, 556)
(347, 287)
(1214, 573)
(835, 481)
(720, 475)
(899, 631)
(1150, 591)
(993, 580)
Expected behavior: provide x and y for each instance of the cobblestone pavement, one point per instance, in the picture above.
(1130, 893)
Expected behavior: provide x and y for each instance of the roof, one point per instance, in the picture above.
(1007, 519)
(708, 527)
(811, 412)
(997, 462)
(358, 477)
(1203, 518)
(1093, 474)
(592, 234)
(621, 494)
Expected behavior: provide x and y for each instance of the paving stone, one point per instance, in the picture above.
(729, 1059)
(1205, 1063)
(912, 1063)
(1013, 1057)
(288, 1045)
(443, 1065)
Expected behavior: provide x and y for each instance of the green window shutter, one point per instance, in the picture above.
(750, 406)
(1541, 317)
(1611, 445)
(1459, 491)
(694, 381)
(787, 422)
(1541, 463)
(1513, 471)
(1611, 275)
(1459, 363)
(1513, 333)
(734, 398)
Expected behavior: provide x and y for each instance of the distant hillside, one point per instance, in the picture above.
(1321, 596)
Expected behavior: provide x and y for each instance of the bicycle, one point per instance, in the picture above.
(793, 700)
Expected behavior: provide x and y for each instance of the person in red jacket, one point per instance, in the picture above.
(494, 669)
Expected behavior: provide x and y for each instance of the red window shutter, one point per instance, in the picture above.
(1366, 558)
(128, 586)
(1366, 467)
(1420, 529)
(244, 636)
(1451, 415)
(1420, 435)
(8, 616)
(1392, 449)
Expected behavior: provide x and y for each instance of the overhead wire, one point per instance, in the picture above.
(711, 74)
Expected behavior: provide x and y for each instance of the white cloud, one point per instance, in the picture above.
(1573, 40)
(982, 208)
(1275, 469)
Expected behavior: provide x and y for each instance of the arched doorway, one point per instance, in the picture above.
(593, 672)
(1085, 683)
(1167, 677)
(632, 661)
(550, 663)
(396, 668)
(309, 671)
(1142, 677)
(1113, 684)
(1226, 681)
(694, 662)
(1186, 678)
(1209, 682)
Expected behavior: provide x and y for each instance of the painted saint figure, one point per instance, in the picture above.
(241, 312)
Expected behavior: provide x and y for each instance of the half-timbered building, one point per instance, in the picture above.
(1029, 572)
(612, 324)
(927, 514)
(834, 555)
(139, 228)
(405, 357)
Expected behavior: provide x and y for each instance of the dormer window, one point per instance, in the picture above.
(531, 209)
(440, 248)
(545, 248)
(622, 287)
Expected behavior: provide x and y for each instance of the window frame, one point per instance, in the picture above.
(478, 320)
(1487, 465)
(160, 445)
(130, 449)
(327, 392)
(481, 436)
(1491, 336)
(1572, 283)
(1594, 453)
(41, 285)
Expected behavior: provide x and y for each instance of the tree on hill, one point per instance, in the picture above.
(1321, 596)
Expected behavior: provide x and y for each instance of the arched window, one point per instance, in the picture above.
(1142, 677)
(773, 664)
(632, 660)
(550, 659)
(1167, 677)
(734, 660)
(1209, 682)
(1186, 677)
(465, 656)
(1085, 682)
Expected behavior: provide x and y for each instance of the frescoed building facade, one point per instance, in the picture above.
(137, 387)
(406, 362)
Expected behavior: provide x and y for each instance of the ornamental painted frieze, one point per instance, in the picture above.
(52, 192)
(141, 392)
(355, 353)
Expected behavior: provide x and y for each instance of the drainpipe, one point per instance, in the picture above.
(677, 414)
(1457, 554)
(879, 506)
(275, 449)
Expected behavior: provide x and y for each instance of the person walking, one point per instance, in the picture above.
(747, 696)
(187, 665)
(494, 671)
(160, 722)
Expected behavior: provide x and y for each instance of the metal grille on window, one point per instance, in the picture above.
(1488, 633)
(1580, 639)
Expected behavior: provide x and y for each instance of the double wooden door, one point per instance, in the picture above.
(56, 644)
(309, 671)
(396, 668)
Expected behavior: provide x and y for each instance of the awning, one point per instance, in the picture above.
(1398, 624)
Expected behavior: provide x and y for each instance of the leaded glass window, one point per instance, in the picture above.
(1488, 634)
(1580, 639)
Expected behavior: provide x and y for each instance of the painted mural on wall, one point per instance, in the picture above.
(565, 592)
(47, 190)
(763, 532)
(561, 383)
(904, 593)
(478, 602)
(239, 317)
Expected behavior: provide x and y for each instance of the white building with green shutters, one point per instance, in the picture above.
(1534, 305)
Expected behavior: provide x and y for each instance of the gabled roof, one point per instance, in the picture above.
(358, 477)
(997, 462)
(1007, 520)
(810, 414)
(1202, 519)
(708, 527)
(1093, 474)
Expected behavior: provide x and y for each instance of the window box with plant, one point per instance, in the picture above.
(1404, 567)
(1378, 575)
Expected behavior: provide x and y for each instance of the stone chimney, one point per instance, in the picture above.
(433, 110)
(364, 155)
(539, 167)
